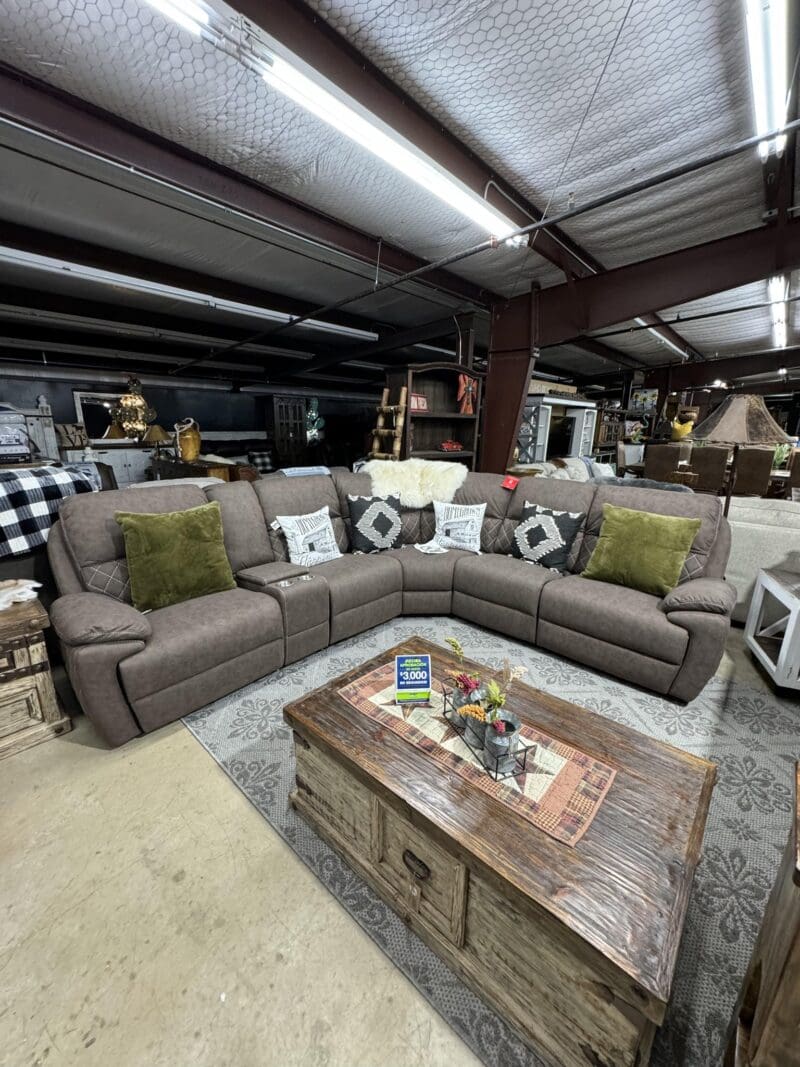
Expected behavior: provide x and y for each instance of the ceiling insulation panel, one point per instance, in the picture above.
(157, 223)
(514, 79)
(125, 57)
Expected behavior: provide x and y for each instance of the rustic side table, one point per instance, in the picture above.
(772, 630)
(29, 710)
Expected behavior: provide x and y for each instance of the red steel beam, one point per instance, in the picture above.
(588, 304)
(512, 355)
(697, 375)
(81, 125)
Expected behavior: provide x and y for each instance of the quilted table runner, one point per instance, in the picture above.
(560, 791)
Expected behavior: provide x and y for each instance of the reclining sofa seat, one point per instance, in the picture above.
(134, 672)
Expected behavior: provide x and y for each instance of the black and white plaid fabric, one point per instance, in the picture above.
(29, 503)
(262, 461)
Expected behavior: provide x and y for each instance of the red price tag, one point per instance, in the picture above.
(510, 482)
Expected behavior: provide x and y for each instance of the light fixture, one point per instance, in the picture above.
(664, 340)
(767, 35)
(719, 384)
(370, 133)
(126, 282)
(324, 100)
(185, 12)
(777, 289)
(782, 371)
(132, 412)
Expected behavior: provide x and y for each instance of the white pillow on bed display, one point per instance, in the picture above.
(459, 525)
(309, 538)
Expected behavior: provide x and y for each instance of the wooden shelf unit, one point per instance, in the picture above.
(425, 430)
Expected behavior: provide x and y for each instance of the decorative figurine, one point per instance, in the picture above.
(466, 394)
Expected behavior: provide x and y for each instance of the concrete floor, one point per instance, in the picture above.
(150, 916)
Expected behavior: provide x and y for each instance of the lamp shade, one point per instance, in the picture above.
(156, 435)
(741, 419)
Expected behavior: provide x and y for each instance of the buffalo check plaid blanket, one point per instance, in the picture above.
(29, 503)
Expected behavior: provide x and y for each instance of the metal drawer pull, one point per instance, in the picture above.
(418, 867)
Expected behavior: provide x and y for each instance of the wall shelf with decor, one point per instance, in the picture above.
(444, 404)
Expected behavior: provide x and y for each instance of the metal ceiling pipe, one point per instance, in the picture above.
(592, 205)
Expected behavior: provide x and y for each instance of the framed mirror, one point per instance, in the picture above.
(94, 411)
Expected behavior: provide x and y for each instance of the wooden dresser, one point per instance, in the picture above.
(29, 710)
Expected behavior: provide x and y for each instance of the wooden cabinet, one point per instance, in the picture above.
(29, 710)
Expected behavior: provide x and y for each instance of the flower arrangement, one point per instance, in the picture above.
(473, 711)
(492, 695)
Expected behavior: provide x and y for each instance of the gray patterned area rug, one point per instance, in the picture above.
(752, 734)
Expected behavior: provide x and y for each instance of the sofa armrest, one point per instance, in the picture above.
(96, 619)
(713, 595)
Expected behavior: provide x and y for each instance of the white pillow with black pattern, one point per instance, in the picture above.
(459, 525)
(545, 537)
(309, 538)
(375, 523)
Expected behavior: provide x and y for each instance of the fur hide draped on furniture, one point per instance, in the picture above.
(418, 482)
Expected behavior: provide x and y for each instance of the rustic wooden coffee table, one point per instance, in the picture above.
(575, 947)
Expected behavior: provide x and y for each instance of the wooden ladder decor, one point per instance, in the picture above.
(394, 432)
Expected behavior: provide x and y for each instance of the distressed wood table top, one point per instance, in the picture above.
(624, 888)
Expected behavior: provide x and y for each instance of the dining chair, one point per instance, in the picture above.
(709, 462)
(753, 471)
(766, 1018)
(661, 460)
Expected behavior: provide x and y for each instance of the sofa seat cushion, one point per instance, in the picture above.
(614, 614)
(198, 635)
(358, 580)
(512, 583)
(423, 573)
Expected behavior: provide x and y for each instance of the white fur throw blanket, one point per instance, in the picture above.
(418, 482)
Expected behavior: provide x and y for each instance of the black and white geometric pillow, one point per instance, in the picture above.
(545, 537)
(375, 523)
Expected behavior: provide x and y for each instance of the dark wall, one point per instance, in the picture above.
(213, 409)
(348, 422)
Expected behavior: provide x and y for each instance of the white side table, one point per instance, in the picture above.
(772, 630)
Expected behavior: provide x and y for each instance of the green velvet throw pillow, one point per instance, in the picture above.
(641, 550)
(175, 556)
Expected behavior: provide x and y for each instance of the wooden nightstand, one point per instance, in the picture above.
(29, 710)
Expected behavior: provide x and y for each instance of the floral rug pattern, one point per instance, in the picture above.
(752, 734)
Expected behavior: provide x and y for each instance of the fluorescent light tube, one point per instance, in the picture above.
(185, 13)
(664, 340)
(31, 260)
(767, 35)
(778, 288)
(369, 133)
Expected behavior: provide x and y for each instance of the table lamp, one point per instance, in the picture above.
(740, 420)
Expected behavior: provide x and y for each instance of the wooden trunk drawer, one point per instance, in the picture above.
(428, 881)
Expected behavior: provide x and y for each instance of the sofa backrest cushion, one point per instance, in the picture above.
(279, 495)
(243, 525)
(686, 505)
(412, 532)
(93, 536)
(497, 530)
(558, 495)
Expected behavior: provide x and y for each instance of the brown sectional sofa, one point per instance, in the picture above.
(134, 672)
